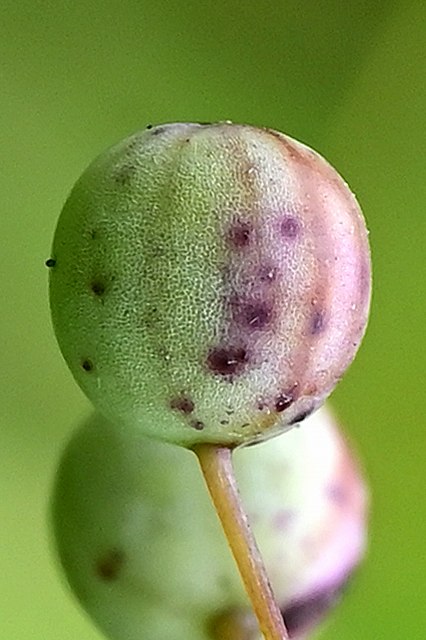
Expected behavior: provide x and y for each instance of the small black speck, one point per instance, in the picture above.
(223, 421)
(97, 287)
(283, 401)
(204, 123)
(149, 126)
(197, 425)
(267, 274)
(182, 403)
(87, 365)
(50, 263)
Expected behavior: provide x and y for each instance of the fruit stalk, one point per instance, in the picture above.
(216, 466)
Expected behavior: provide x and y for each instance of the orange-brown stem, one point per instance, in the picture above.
(218, 471)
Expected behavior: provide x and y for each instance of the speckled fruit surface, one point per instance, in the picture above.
(210, 283)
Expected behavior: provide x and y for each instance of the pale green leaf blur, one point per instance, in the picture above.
(347, 78)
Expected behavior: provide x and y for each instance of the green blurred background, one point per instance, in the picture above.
(348, 78)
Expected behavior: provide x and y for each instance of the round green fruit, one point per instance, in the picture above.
(209, 283)
(144, 552)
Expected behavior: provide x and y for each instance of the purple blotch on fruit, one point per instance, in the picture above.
(290, 227)
(239, 234)
(317, 322)
(255, 315)
(338, 494)
(301, 615)
(226, 360)
(283, 401)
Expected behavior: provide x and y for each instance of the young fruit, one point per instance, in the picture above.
(209, 283)
(143, 550)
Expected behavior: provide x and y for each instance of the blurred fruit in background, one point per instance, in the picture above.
(144, 551)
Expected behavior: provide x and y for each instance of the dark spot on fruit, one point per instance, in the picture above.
(283, 519)
(157, 131)
(267, 274)
(204, 123)
(97, 287)
(197, 425)
(283, 401)
(227, 360)
(304, 613)
(245, 425)
(365, 278)
(149, 126)
(50, 263)
(87, 365)
(338, 494)
(257, 315)
(183, 403)
(290, 227)
(224, 422)
(317, 322)
(109, 565)
(124, 174)
(302, 415)
(239, 234)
